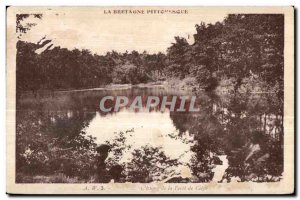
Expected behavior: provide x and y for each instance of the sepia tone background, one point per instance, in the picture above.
(136, 188)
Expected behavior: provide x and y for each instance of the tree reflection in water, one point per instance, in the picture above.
(248, 128)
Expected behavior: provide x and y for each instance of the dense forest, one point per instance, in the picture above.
(230, 53)
(239, 61)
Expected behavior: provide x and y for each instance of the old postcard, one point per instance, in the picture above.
(150, 100)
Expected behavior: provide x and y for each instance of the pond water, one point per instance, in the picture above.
(214, 144)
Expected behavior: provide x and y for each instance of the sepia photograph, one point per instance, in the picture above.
(150, 100)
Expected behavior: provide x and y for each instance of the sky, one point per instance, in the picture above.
(90, 28)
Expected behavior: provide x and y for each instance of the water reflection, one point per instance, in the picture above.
(154, 128)
(233, 137)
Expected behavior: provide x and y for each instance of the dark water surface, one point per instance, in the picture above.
(232, 137)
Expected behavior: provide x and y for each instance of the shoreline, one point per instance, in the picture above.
(221, 89)
(107, 87)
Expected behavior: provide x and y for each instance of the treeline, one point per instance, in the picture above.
(239, 48)
(60, 68)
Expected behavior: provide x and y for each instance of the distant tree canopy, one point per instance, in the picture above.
(239, 47)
